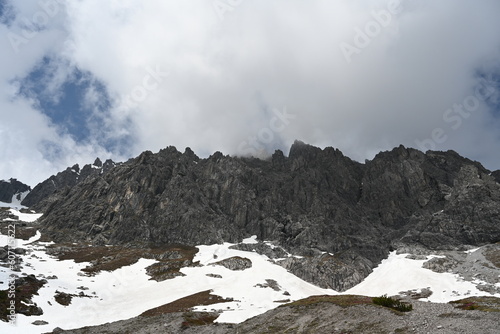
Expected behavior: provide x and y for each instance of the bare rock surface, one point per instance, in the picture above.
(235, 263)
(47, 191)
(481, 265)
(324, 315)
(12, 189)
(496, 175)
(311, 202)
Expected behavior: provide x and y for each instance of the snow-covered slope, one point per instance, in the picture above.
(25, 217)
(16, 204)
(398, 273)
(128, 291)
(13, 192)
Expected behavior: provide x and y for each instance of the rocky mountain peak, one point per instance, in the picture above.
(97, 162)
(188, 153)
(45, 192)
(306, 151)
(496, 175)
(12, 189)
(216, 157)
(311, 202)
(399, 153)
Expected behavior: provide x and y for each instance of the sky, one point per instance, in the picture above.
(81, 79)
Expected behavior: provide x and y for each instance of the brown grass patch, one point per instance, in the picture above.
(340, 300)
(485, 304)
(110, 258)
(186, 303)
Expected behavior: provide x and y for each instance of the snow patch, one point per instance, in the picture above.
(11, 205)
(15, 203)
(249, 299)
(250, 240)
(398, 273)
(128, 291)
(470, 251)
(26, 217)
(22, 195)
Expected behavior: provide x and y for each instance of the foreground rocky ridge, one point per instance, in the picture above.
(324, 314)
(342, 216)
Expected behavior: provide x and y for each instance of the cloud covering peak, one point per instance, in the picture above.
(244, 77)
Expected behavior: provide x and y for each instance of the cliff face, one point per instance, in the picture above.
(47, 191)
(496, 175)
(12, 189)
(311, 202)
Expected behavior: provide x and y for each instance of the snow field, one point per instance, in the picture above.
(128, 291)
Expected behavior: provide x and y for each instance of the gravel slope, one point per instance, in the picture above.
(324, 316)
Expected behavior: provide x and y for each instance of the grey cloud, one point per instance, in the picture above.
(226, 75)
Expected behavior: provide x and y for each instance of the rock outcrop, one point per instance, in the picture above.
(311, 202)
(326, 315)
(235, 263)
(496, 175)
(47, 191)
(12, 189)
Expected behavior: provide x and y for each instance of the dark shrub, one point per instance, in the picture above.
(392, 303)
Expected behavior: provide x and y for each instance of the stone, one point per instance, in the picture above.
(235, 263)
(47, 191)
(214, 275)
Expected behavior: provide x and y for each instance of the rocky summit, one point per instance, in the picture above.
(43, 193)
(12, 190)
(340, 217)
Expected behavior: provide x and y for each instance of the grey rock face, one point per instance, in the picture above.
(440, 265)
(55, 186)
(235, 263)
(496, 175)
(9, 189)
(270, 283)
(214, 275)
(312, 201)
(321, 315)
(329, 272)
(481, 264)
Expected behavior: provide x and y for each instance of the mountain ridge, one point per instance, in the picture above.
(12, 190)
(342, 216)
(43, 192)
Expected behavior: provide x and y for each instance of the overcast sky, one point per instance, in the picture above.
(110, 79)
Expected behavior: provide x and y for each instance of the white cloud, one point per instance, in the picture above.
(223, 74)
